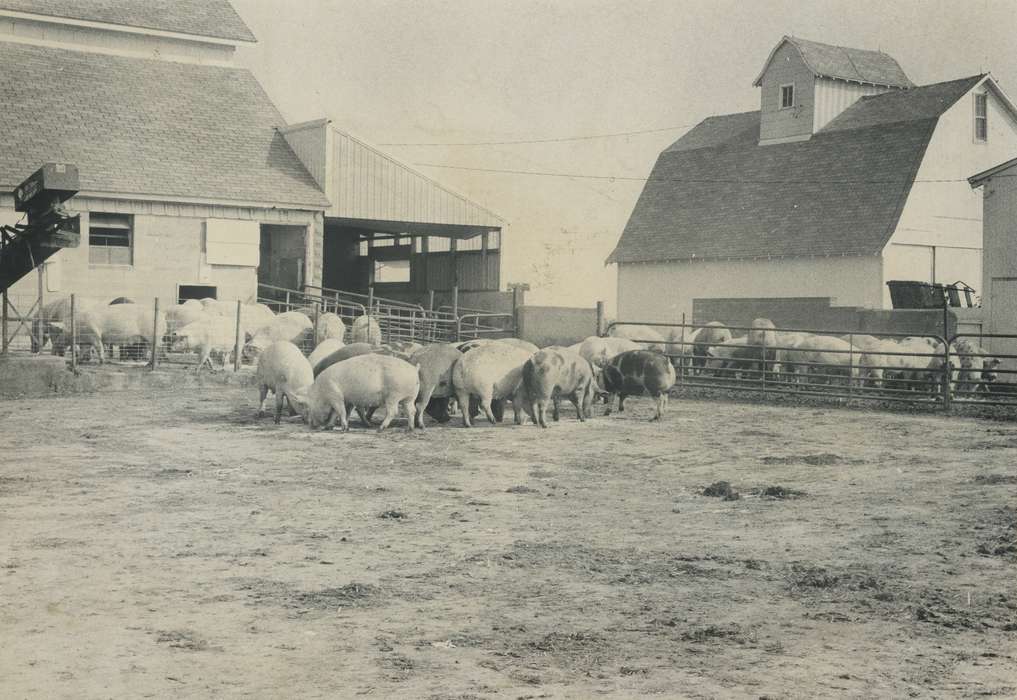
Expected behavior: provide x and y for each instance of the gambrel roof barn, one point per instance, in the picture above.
(848, 176)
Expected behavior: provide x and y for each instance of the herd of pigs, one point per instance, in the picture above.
(910, 363)
(352, 368)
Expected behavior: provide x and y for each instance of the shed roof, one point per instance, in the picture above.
(208, 18)
(843, 63)
(147, 127)
(716, 193)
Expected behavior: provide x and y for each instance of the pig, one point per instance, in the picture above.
(365, 381)
(340, 355)
(56, 315)
(490, 372)
(434, 367)
(713, 333)
(182, 315)
(208, 335)
(554, 372)
(824, 355)
(130, 325)
(365, 329)
(519, 343)
(330, 326)
(637, 372)
(292, 326)
(324, 349)
(284, 370)
(647, 337)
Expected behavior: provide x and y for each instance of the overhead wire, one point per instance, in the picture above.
(721, 181)
(559, 139)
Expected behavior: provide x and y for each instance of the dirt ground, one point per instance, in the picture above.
(167, 544)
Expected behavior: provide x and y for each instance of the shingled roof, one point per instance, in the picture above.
(843, 63)
(146, 127)
(716, 193)
(209, 18)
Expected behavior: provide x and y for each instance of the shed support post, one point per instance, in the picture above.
(4, 322)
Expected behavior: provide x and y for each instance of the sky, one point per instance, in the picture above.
(404, 75)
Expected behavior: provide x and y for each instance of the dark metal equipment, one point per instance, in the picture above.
(50, 227)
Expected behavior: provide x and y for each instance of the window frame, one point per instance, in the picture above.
(97, 230)
(780, 97)
(375, 263)
(983, 98)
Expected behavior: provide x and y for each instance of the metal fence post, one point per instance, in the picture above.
(600, 319)
(370, 300)
(430, 300)
(287, 300)
(455, 301)
(851, 365)
(4, 315)
(236, 340)
(74, 335)
(681, 351)
(316, 320)
(156, 340)
(762, 377)
(947, 389)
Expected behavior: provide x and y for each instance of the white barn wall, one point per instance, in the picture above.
(167, 251)
(948, 215)
(662, 292)
(999, 300)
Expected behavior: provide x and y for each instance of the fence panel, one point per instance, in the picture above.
(985, 377)
(894, 367)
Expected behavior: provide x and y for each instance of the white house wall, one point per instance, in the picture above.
(662, 292)
(948, 215)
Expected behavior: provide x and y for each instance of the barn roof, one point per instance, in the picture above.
(716, 193)
(207, 18)
(146, 127)
(843, 63)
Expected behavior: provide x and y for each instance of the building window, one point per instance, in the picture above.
(787, 96)
(391, 271)
(982, 117)
(110, 239)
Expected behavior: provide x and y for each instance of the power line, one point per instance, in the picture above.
(548, 140)
(719, 181)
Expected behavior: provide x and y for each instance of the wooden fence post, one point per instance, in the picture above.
(237, 349)
(74, 335)
(156, 340)
(600, 319)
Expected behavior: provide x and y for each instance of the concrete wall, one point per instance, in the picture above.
(662, 292)
(556, 325)
(948, 215)
(776, 123)
(167, 252)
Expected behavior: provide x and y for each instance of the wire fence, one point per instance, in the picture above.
(219, 334)
(918, 369)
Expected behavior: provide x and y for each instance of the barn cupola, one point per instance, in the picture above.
(805, 84)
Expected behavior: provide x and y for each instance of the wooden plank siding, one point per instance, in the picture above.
(442, 271)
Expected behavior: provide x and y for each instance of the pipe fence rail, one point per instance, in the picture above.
(917, 369)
